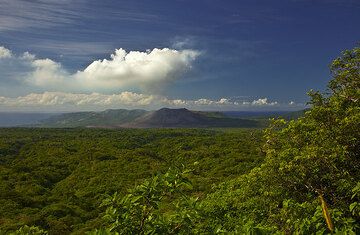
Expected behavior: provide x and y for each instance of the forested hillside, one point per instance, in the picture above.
(57, 178)
(297, 177)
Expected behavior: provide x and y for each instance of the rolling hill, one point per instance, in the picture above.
(107, 118)
(169, 118)
(162, 118)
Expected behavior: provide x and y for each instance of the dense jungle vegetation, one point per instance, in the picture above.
(57, 178)
(297, 177)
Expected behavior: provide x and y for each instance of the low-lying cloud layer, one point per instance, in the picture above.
(134, 69)
(62, 101)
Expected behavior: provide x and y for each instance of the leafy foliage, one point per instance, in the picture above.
(308, 183)
(142, 210)
(56, 178)
(310, 160)
(26, 230)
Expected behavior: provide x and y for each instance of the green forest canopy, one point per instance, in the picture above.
(307, 182)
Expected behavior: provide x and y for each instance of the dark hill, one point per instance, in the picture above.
(173, 118)
(169, 118)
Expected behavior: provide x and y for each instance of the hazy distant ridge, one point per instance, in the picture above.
(110, 117)
(163, 118)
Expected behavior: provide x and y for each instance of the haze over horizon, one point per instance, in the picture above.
(58, 56)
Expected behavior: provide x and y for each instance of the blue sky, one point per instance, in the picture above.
(218, 55)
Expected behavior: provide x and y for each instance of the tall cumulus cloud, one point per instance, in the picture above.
(134, 69)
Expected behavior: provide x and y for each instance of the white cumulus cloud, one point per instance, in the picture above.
(263, 101)
(136, 68)
(47, 73)
(133, 69)
(5, 53)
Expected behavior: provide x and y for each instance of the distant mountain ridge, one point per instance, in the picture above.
(162, 118)
(138, 118)
(166, 117)
(110, 117)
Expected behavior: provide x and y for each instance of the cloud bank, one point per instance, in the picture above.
(62, 101)
(134, 69)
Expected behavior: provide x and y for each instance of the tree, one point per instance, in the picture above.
(26, 230)
(142, 210)
(311, 167)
